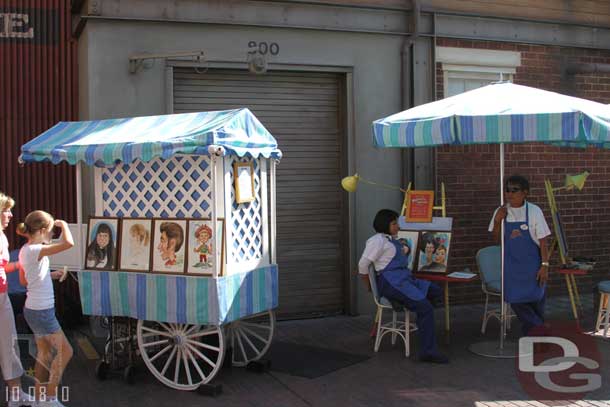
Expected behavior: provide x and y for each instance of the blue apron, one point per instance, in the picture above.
(399, 276)
(521, 263)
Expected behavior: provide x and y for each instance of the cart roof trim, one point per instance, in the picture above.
(106, 142)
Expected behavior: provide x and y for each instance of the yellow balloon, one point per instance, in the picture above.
(350, 184)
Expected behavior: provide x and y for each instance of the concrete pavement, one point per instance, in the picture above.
(384, 379)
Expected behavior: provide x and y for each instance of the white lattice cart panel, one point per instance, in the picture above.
(179, 187)
(246, 218)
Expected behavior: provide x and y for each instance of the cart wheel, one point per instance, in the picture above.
(101, 370)
(181, 356)
(129, 374)
(251, 337)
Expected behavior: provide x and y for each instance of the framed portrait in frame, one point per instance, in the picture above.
(169, 245)
(433, 251)
(243, 173)
(408, 239)
(135, 244)
(203, 246)
(101, 252)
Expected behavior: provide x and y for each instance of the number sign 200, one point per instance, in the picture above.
(263, 48)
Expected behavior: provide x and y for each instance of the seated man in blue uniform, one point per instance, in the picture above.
(526, 257)
(396, 282)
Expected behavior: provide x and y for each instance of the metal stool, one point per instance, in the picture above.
(604, 312)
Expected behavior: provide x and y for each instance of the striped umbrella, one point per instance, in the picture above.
(499, 113)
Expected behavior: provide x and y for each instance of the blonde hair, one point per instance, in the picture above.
(34, 222)
(140, 231)
(6, 202)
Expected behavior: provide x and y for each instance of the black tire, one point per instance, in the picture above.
(129, 374)
(101, 370)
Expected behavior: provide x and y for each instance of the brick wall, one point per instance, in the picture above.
(471, 173)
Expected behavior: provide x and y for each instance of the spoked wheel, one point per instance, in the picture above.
(181, 356)
(251, 337)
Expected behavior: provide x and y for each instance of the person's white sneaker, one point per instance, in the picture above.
(24, 400)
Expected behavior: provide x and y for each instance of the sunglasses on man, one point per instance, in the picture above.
(512, 189)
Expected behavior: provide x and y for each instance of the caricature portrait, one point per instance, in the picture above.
(169, 245)
(135, 244)
(203, 244)
(434, 251)
(101, 249)
(408, 241)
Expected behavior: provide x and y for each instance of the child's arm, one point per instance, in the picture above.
(22, 279)
(65, 241)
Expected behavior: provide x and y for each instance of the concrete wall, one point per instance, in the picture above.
(373, 59)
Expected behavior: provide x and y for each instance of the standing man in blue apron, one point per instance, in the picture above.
(526, 257)
(396, 282)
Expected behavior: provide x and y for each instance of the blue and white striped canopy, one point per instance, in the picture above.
(106, 142)
(498, 113)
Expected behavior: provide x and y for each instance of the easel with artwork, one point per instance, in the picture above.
(570, 267)
(432, 243)
(426, 238)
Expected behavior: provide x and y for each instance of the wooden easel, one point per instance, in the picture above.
(559, 241)
(442, 207)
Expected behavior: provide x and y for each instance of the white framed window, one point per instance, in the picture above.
(465, 69)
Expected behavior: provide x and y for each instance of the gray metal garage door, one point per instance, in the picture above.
(304, 112)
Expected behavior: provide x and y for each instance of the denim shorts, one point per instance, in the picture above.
(41, 322)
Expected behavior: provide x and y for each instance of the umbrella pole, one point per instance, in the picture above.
(491, 349)
(502, 304)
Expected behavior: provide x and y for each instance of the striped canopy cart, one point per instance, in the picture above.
(499, 113)
(182, 167)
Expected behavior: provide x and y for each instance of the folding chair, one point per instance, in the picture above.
(489, 263)
(394, 327)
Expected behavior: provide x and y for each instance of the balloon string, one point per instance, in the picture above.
(382, 185)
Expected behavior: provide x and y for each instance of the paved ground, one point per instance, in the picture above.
(384, 379)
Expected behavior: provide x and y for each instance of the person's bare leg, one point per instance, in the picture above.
(63, 354)
(14, 386)
(42, 366)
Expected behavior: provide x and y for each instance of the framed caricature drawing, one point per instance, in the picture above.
(434, 251)
(203, 245)
(134, 253)
(101, 252)
(408, 240)
(169, 245)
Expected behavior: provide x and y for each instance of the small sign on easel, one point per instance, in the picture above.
(419, 206)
